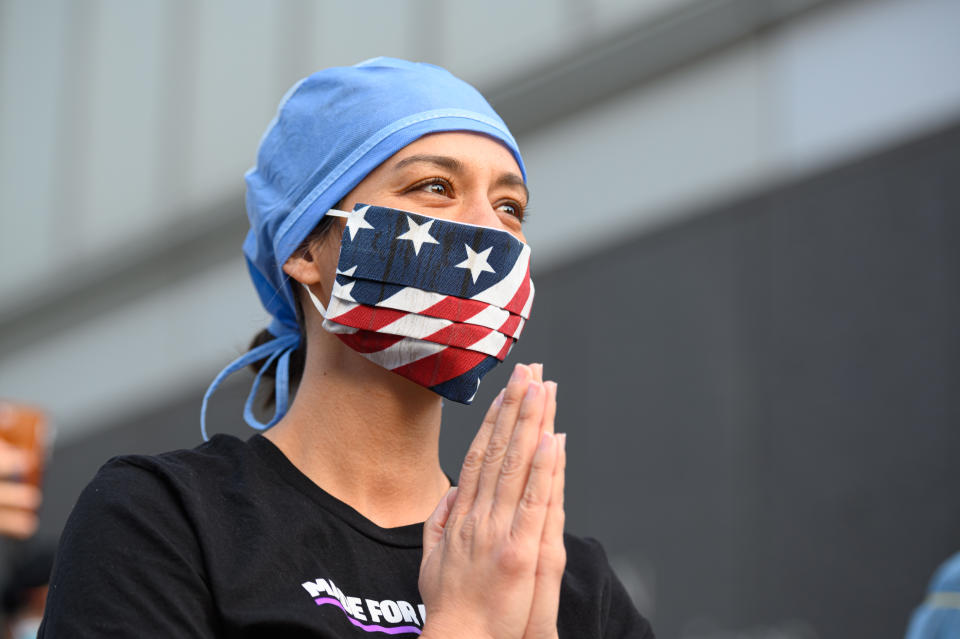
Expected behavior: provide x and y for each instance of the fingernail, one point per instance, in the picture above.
(20, 464)
(563, 441)
(544, 440)
(533, 390)
(518, 373)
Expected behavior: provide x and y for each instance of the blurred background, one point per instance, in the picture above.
(746, 234)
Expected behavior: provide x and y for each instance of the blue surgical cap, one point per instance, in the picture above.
(331, 130)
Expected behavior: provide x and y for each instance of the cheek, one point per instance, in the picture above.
(513, 227)
(371, 190)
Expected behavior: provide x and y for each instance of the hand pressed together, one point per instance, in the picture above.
(493, 553)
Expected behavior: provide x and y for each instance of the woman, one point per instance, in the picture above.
(386, 238)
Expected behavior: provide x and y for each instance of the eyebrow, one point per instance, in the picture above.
(512, 179)
(443, 161)
(456, 166)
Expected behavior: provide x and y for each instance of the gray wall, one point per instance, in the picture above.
(761, 403)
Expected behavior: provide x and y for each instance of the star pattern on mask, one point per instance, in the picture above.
(344, 291)
(355, 222)
(476, 262)
(419, 234)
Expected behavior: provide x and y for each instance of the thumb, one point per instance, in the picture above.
(433, 527)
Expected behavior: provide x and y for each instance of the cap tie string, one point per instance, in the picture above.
(279, 347)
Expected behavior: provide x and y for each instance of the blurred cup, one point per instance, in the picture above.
(26, 428)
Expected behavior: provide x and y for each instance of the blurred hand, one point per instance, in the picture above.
(493, 549)
(18, 501)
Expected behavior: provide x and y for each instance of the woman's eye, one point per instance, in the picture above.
(436, 185)
(512, 208)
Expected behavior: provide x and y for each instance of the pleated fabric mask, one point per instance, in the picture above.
(436, 301)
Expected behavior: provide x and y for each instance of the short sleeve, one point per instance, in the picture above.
(593, 601)
(128, 563)
(623, 620)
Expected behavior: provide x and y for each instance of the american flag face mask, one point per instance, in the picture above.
(436, 301)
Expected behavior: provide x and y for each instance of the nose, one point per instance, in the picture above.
(478, 210)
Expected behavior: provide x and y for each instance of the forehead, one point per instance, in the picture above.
(474, 150)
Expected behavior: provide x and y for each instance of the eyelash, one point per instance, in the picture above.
(523, 212)
(442, 181)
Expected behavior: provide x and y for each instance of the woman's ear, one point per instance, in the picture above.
(315, 261)
(305, 265)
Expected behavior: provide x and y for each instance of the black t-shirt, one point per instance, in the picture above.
(230, 539)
